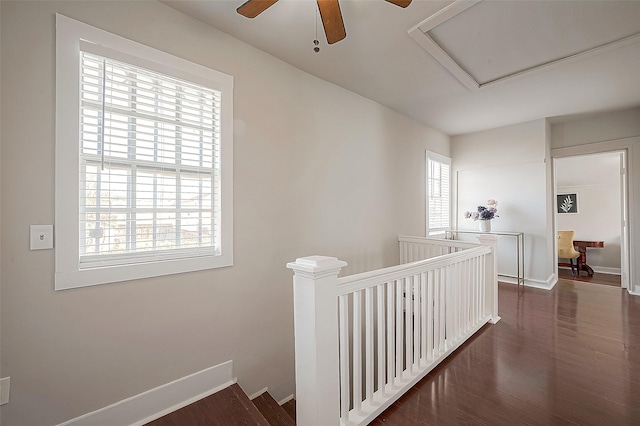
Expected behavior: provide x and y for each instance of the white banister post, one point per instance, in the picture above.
(316, 340)
(491, 277)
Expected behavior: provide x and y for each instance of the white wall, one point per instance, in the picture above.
(318, 170)
(585, 129)
(507, 164)
(598, 219)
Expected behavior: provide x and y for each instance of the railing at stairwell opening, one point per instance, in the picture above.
(394, 325)
(413, 249)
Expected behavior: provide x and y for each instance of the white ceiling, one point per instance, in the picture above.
(379, 60)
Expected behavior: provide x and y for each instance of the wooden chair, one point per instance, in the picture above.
(567, 251)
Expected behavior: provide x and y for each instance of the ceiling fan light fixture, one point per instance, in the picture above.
(330, 14)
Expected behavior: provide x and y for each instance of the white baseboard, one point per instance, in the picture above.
(545, 285)
(155, 403)
(600, 270)
(606, 270)
(257, 394)
(286, 399)
(552, 281)
(261, 391)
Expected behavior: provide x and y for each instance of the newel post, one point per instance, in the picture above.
(491, 277)
(316, 340)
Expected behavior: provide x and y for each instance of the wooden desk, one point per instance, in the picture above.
(581, 246)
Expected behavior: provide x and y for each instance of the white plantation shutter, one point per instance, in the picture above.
(144, 161)
(438, 193)
(149, 165)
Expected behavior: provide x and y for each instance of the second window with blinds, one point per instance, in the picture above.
(438, 194)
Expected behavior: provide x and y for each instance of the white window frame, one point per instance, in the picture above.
(70, 34)
(446, 161)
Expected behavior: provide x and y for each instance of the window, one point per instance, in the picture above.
(438, 191)
(143, 161)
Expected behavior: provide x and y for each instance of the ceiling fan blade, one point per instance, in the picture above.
(401, 3)
(332, 20)
(253, 8)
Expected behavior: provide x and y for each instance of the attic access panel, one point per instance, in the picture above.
(486, 42)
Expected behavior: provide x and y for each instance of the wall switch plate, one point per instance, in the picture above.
(41, 237)
(4, 390)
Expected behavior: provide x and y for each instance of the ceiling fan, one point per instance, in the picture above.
(329, 12)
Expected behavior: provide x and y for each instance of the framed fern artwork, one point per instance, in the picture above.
(567, 203)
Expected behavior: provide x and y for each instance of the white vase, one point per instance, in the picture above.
(485, 225)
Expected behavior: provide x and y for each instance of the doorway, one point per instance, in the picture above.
(590, 194)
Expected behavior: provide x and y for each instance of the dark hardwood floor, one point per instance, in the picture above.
(570, 356)
(229, 407)
(596, 278)
(272, 412)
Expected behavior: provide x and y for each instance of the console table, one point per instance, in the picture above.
(519, 236)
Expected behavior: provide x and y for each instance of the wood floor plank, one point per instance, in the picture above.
(275, 415)
(229, 407)
(569, 356)
(597, 278)
(290, 408)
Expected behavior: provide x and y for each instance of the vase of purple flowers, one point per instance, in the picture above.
(484, 215)
(485, 225)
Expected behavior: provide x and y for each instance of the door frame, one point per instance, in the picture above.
(623, 147)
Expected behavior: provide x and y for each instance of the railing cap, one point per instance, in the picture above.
(316, 264)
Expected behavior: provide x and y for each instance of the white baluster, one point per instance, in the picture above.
(476, 293)
(462, 299)
(381, 337)
(369, 357)
(408, 325)
(357, 352)
(345, 391)
(452, 308)
(461, 287)
(399, 329)
(472, 292)
(436, 312)
(483, 284)
(430, 322)
(479, 278)
(391, 326)
(416, 320)
(448, 306)
(470, 298)
(443, 309)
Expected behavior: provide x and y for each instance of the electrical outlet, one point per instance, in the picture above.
(41, 237)
(4, 390)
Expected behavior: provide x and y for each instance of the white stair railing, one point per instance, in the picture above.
(370, 337)
(413, 249)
